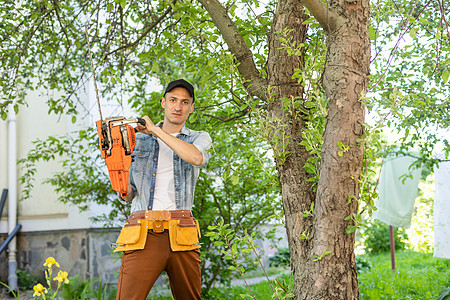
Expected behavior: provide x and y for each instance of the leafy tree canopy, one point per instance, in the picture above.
(44, 47)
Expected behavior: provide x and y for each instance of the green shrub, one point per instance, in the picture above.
(87, 289)
(76, 288)
(376, 237)
(362, 264)
(26, 280)
(281, 258)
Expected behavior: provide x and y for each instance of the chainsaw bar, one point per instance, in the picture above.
(117, 140)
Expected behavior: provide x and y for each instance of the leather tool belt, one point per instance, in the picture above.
(184, 230)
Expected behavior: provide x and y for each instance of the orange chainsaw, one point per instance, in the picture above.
(117, 140)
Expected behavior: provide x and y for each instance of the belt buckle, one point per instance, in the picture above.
(158, 226)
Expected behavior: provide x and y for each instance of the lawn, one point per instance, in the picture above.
(417, 276)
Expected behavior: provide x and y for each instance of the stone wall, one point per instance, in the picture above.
(87, 253)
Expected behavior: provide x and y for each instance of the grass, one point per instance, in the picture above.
(261, 290)
(270, 271)
(417, 276)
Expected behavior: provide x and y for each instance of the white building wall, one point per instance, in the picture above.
(41, 211)
(49, 227)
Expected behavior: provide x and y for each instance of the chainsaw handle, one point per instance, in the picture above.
(141, 121)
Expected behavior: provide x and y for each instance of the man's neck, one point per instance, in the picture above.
(171, 128)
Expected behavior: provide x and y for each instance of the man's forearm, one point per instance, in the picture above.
(187, 152)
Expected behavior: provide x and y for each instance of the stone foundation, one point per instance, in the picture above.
(87, 253)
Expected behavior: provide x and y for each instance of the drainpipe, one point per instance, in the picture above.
(12, 197)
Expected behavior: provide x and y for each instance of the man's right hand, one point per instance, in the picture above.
(148, 128)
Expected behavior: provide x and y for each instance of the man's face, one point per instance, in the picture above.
(178, 104)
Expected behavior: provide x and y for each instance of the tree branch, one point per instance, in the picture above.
(441, 6)
(241, 114)
(254, 83)
(146, 31)
(328, 20)
(55, 3)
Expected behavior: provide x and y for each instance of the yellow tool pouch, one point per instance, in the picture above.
(184, 234)
(132, 236)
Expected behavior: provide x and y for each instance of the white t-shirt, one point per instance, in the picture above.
(164, 197)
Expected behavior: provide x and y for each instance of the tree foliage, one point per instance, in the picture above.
(224, 48)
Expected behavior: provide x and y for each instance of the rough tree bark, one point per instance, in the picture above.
(317, 276)
(345, 82)
(296, 191)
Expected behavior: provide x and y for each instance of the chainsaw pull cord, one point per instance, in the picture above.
(93, 74)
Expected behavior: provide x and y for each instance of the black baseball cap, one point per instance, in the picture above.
(180, 83)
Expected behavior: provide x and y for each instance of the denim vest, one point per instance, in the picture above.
(145, 163)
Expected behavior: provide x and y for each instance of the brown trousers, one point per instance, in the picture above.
(141, 268)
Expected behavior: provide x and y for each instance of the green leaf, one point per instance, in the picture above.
(326, 253)
(218, 243)
(234, 179)
(143, 55)
(445, 76)
(155, 67)
(412, 33)
(372, 33)
(74, 119)
(350, 229)
(351, 197)
(226, 174)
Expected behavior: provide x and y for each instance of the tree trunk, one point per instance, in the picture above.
(323, 264)
(319, 275)
(297, 192)
(345, 82)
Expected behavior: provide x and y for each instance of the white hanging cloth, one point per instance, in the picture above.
(396, 194)
(441, 211)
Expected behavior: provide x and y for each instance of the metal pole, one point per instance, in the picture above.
(12, 198)
(2, 202)
(392, 244)
(10, 237)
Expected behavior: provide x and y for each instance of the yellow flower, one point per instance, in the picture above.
(62, 276)
(50, 262)
(39, 289)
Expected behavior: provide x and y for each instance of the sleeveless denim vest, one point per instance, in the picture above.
(143, 171)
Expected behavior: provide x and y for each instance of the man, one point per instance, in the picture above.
(167, 158)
